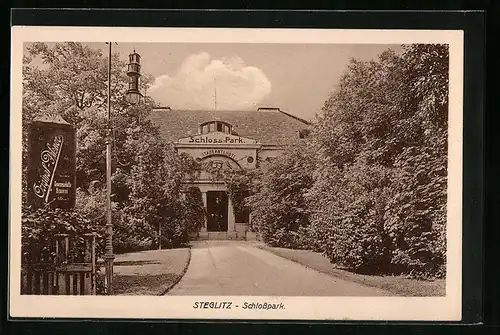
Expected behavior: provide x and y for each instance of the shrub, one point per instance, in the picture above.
(39, 226)
(278, 204)
(194, 210)
(347, 223)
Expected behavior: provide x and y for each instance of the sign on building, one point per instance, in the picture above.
(216, 138)
(51, 163)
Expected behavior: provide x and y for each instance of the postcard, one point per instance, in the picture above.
(256, 174)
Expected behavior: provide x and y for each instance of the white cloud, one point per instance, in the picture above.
(238, 86)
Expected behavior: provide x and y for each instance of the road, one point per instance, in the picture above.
(241, 268)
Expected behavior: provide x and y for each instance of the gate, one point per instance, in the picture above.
(58, 276)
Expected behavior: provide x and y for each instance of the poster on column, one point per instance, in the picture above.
(51, 163)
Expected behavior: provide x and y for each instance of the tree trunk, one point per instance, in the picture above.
(159, 235)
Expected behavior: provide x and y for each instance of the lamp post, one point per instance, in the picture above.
(132, 96)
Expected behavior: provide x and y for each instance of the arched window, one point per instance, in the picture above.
(213, 126)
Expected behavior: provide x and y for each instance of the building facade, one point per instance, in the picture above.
(227, 140)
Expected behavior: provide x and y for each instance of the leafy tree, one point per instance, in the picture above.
(278, 204)
(73, 82)
(379, 192)
(147, 173)
(347, 220)
(357, 146)
(155, 183)
(417, 216)
(358, 117)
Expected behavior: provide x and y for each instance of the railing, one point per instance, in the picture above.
(60, 277)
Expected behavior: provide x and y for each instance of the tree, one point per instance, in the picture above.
(147, 173)
(417, 215)
(155, 190)
(278, 204)
(73, 82)
(379, 192)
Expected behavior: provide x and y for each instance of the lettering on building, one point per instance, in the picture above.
(206, 139)
(216, 138)
(222, 152)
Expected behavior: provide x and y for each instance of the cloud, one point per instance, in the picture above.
(238, 86)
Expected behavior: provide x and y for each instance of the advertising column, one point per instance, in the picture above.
(51, 163)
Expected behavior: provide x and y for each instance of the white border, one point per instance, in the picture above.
(446, 308)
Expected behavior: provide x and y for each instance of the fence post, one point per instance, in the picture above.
(62, 252)
(90, 282)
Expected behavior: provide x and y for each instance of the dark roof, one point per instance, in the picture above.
(271, 126)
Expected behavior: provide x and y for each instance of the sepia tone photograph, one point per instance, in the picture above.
(211, 169)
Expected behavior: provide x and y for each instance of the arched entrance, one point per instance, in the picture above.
(218, 205)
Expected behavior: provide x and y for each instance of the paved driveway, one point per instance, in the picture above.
(241, 268)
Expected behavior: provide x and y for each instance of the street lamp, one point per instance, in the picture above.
(132, 96)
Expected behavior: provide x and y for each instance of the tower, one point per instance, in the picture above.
(133, 94)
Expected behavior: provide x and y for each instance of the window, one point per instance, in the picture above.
(133, 67)
(134, 58)
(133, 84)
(212, 126)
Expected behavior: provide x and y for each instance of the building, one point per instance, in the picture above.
(229, 140)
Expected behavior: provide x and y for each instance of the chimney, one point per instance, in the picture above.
(268, 109)
(167, 108)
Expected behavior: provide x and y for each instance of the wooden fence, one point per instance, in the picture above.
(58, 275)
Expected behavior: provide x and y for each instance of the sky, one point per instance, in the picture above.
(297, 78)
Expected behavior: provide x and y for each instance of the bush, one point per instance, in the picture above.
(416, 218)
(347, 223)
(129, 234)
(39, 227)
(278, 204)
(194, 210)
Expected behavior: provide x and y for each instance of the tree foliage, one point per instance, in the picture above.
(383, 136)
(376, 201)
(279, 210)
(146, 172)
(39, 227)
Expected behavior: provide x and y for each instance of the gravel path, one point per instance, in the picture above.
(241, 268)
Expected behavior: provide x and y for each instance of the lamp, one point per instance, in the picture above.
(132, 96)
